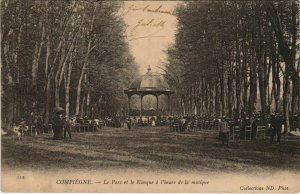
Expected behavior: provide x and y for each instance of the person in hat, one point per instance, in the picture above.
(223, 130)
(23, 129)
(67, 127)
(58, 123)
(276, 124)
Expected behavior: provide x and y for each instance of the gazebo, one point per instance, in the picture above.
(149, 84)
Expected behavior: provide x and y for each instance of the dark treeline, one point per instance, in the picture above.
(70, 53)
(235, 57)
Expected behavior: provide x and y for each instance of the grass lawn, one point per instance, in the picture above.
(153, 149)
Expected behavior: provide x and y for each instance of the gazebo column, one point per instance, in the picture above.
(129, 105)
(169, 110)
(157, 111)
(141, 96)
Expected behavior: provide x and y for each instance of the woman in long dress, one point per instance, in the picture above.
(58, 124)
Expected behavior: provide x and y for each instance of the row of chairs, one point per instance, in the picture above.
(86, 127)
(193, 126)
(34, 130)
(80, 127)
(235, 133)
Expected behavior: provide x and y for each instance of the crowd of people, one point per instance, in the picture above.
(247, 128)
(273, 125)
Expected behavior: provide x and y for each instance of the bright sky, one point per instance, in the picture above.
(151, 28)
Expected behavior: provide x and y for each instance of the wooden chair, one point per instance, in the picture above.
(171, 126)
(200, 125)
(94, 127)
(206, 125)
(195, 125)
(33, 131)
(85, 127)
(224, 132)
(77, 127)
(50, 129)
(176, 127)
(216, 125)
(261, 132)
(248, 130)
(101, 124)
(188, 126)
(236, 132)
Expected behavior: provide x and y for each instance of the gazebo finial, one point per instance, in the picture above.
(149, 68)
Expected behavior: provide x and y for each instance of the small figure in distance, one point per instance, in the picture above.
(67, 128)
(58, 123)
(276, 124)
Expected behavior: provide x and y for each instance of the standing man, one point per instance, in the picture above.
(276, 124)
(223, 130)
(67, 128)
(58, 124)
(128, 122)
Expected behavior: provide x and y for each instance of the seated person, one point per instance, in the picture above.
(224, 131)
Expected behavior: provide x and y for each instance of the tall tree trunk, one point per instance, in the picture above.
(9, 81)
(238, 89)
(78, 96)
(202, 97)
(36, 56)
(67, 87)
(222, 84)
(59, 69)
(9, 102)
(287, 53)
(245, 76)
(82, 112)
(262, 91)
(260, 55)
(88, 101)
(84, 66)
(217, 99)
(206, 99)
(286, 101)
(229, 95)
(275, 74)
(253, 79)
(62, 67)
(48, 99)
(48, 82)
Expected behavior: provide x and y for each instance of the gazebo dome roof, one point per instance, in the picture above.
(148, 84)
(149, 80)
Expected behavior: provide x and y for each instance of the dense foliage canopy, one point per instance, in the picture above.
(70, 53)
(235, 57)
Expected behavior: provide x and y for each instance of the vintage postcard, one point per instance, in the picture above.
(150, 96)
